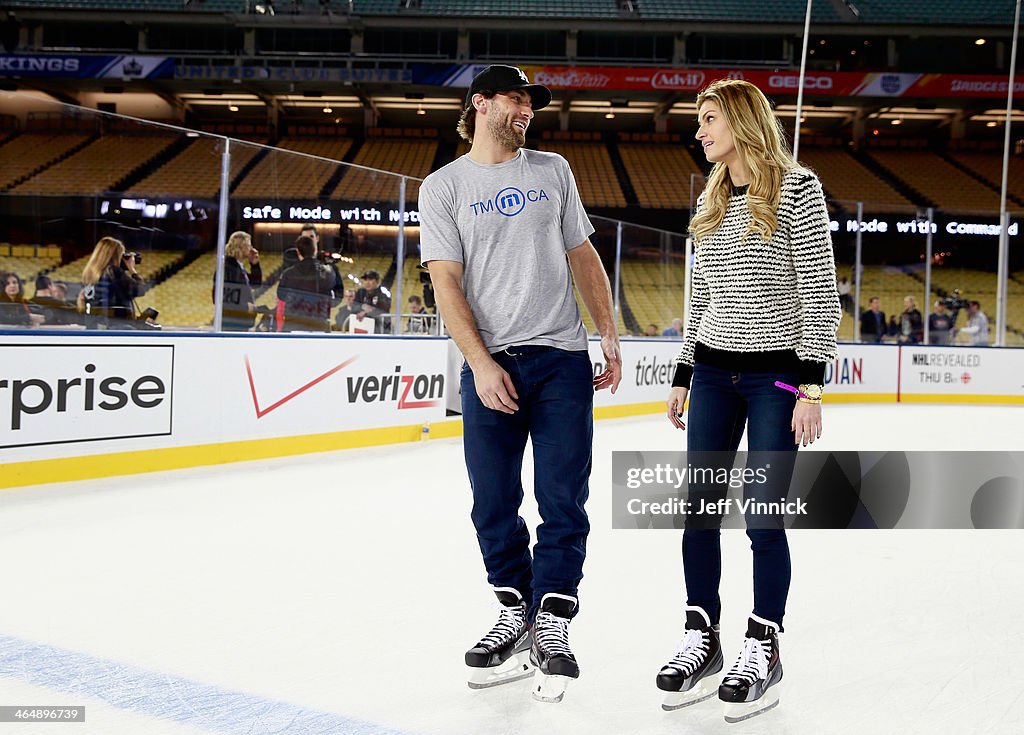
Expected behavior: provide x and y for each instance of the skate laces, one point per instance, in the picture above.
(552, 634)
(690, 652)
(752, 663)
(510, 623)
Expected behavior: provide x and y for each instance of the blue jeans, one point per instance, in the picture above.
(722, 403)
(556, 398)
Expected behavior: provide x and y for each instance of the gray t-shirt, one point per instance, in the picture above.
(510, 225)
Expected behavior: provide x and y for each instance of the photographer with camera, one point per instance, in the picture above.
(110, 285)
(977, 325)
(239, 300)
(305, 292)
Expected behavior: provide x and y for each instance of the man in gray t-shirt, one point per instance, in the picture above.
(504, 234)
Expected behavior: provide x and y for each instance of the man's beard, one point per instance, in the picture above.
(505, 134)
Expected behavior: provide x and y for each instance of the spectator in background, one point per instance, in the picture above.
(348, 308)
(14, 309)
(940, 324)
(373, 301)
(239, 313)
(291, 255)
(894, 328)
(652, 330)
(419, 321)
(911, 323)
(304, 292)
(676, 330)
(110, 284)
(977, 325)
(872, 322)
(845, 299)
(53, 308)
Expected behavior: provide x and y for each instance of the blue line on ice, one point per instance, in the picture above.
(168, 697)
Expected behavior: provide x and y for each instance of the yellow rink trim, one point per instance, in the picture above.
(956, 398)
(70, 469)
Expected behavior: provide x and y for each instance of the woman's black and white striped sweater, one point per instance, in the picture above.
(765, 306)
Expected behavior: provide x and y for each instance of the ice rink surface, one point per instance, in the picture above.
(336, 593)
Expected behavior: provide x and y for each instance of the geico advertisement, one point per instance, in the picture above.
(863, 369)
(323, 385)
(59, 394)
(967, 371)
(648, 367)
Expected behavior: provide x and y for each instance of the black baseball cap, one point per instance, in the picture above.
(371, 274)
(501, 78)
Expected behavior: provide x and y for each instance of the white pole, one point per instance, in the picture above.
(800, 88)
(222, 236)
(1004, 218)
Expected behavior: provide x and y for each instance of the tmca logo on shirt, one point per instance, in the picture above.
(510, 201)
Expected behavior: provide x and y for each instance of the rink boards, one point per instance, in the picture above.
(84, 406)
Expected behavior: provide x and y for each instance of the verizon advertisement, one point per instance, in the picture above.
(961, 371)
(115, 395)
(65, 394)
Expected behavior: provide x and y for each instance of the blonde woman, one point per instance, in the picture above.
(239, 301)
(763, 311)
(110, 284)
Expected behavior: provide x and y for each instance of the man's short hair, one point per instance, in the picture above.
(976, 304)
(305, 246)
(43, 282)
(414, 299)
(309, 226)
(873, 298)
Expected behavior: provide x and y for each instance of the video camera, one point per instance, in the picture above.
(954, 302)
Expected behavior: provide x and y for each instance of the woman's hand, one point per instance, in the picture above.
(806, 423)
(675, 403)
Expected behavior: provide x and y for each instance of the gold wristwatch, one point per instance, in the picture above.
(810, 393)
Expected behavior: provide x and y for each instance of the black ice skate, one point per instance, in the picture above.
(689, 677)
(503, 655)
(550, 652)
(751, 686)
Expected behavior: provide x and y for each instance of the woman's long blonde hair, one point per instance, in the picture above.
(108, 250)
(761, 145)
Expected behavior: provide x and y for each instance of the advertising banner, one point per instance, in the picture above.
(964, 373)
(112, 394)
(86, 67)
(864, 371)
(816, 83)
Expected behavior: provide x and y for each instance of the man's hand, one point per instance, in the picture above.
(254, 256)
(612, 364)
(675, 403)
(494, 387)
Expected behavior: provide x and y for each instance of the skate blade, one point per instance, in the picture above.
(740, 711)
(699, 692)
(549, 687)
(516, 668)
